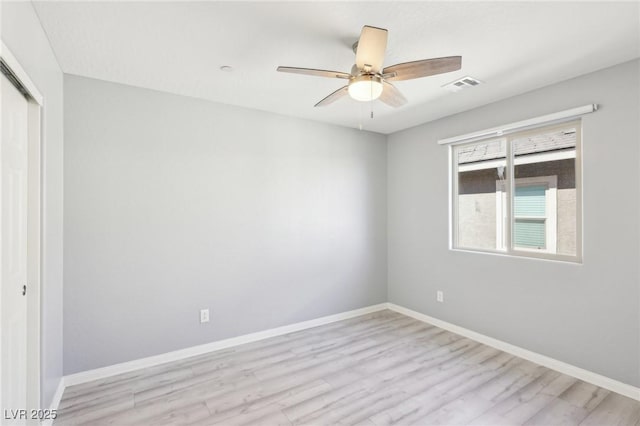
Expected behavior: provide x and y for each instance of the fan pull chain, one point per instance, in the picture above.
(371, 97)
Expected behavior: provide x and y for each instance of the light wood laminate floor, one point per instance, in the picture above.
(378, 369)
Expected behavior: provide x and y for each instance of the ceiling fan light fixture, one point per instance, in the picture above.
(365, 88)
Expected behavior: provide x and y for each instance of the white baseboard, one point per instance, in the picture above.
(562, 367)
(568, 369)
(55, 401)
(125, 367)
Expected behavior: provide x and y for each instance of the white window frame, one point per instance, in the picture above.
(506, 207)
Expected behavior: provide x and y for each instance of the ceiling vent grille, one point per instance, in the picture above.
(462, 83)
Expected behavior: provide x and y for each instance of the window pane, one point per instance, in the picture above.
(529, 233)
(547, 157)
(480, 219)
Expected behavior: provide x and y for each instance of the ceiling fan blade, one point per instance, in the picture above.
(392, 96)
(424, 68)
(341, 92)
(371, 47)
(314, 72)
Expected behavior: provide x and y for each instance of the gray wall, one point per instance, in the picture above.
(174, 204)
(586, 315)
(23, 35)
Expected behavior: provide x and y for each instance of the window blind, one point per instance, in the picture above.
(556, 117)
(530, 201)
(529, 212)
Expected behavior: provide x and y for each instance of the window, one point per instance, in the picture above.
(534, 214)
(519, 194)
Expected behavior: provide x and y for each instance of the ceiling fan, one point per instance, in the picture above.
(368, 80)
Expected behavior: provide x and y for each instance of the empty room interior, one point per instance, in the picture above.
(320, 213)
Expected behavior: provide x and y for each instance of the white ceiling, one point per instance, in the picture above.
(179, 47)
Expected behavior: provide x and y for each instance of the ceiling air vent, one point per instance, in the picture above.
(462, 83)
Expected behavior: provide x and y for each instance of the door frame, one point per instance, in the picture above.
(10, 64)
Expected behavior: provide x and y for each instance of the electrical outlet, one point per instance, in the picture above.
(204, 316)
(440, 296)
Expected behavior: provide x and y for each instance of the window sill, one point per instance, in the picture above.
(572, 260)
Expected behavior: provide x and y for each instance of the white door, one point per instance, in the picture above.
(13, 249)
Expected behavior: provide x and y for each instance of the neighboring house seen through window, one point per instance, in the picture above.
(518, 194)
